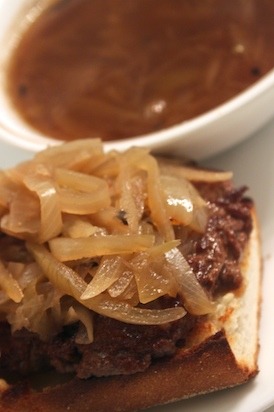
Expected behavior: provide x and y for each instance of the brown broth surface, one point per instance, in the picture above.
(122, 68)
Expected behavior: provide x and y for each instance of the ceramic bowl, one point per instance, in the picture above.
(198, 138)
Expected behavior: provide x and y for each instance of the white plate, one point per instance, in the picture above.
(252, 163)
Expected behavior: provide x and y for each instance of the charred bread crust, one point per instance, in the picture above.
(202, 368)
(205, 368)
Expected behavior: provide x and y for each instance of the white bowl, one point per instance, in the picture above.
(201, 137)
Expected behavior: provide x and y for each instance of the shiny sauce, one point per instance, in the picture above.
(121, 68)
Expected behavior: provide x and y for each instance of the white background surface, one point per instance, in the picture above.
(253, 164)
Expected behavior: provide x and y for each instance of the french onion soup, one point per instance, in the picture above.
(118, 69)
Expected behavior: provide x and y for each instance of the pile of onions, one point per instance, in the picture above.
(100, 230)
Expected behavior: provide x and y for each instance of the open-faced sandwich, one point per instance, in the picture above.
(126, 281)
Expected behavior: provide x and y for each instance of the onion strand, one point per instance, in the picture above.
(67, 280)
(66, 249)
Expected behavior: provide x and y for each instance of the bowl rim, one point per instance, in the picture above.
(173, 133)
(34, 141)
(15, 131)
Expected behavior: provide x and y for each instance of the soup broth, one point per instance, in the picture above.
(116, 69)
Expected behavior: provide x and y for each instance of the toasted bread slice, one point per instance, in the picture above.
(222, 353)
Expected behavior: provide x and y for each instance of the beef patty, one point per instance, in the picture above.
(120, 348)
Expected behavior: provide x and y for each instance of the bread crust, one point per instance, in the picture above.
(201, 368)
(205, 368)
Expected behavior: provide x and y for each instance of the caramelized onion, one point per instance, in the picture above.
(132, 198)
(65, 279)
(39, 309)
(50, 211)
(81, 194)
(76, 155)
(141, 159)
(156, 199)
(22, 222)
(66, 249)
(7, 189)
(10, 285)
(106, 274)
(86, 317)
(184, 204)
(195, 298)
(124, 287)
(80, 203)
(78, 226)
(193, 174)
(152, 282)
(126, 313)
(112, 217)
